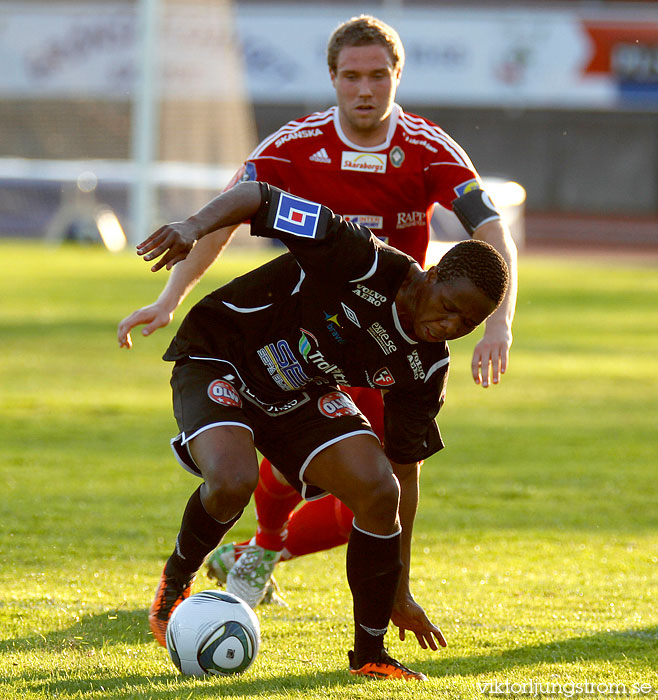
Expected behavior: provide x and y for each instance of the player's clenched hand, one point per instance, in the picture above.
(408, 615)
(490, 357)
(172, 241)
(151, 317)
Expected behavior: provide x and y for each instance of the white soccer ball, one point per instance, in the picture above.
(213, 632)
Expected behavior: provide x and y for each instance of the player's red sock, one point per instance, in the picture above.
(274, 503)
(318, 525)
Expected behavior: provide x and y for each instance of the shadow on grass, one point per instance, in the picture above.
(101, 632)
(91, 631)
(635, 643)
(95, 635)
(175, 687)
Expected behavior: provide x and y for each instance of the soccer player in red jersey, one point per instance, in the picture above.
(370, 161)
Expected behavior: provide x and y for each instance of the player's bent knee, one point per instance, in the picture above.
(376, 507)
(226, 457)
(226, 494)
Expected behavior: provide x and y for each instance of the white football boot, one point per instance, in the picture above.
(251, 574)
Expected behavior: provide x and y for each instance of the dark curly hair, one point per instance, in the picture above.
(479, 262)
(364, 31)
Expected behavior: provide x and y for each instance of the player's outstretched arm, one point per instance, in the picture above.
(180, 282)
(491, 354)
(407, 614)
(173, 242)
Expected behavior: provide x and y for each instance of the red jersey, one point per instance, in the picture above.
(390, 188)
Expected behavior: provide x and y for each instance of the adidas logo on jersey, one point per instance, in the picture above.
(321, 156)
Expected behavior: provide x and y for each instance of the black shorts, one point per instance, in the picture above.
(210, 393)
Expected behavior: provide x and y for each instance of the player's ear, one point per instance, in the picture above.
(332, 75)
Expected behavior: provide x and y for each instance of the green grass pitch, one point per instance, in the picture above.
(536, 543)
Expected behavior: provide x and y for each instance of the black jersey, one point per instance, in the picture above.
(323, 313)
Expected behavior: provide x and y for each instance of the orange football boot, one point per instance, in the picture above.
(170, 594)
(384, 669)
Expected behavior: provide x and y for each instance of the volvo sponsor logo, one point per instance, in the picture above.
(416, 365)
(374, 298)
(363, 162)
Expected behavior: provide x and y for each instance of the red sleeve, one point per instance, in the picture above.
(264, 167)
(448, 169)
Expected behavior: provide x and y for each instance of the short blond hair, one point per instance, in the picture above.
(364, 31)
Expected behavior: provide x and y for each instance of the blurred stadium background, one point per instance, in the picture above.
(121, 115)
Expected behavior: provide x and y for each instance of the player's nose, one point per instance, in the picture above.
(365, 88)
(450, 324)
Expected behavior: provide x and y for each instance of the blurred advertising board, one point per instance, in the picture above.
(585, 56)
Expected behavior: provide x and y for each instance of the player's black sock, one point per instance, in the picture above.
(199, 534)
(373, 571)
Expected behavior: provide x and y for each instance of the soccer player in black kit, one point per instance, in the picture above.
(260, 362)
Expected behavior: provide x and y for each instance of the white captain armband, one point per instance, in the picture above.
(474, 209)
